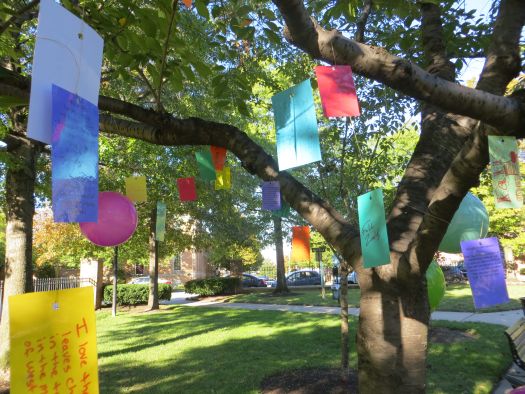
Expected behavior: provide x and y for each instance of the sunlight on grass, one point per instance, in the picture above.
(458, 297)
(205, 350)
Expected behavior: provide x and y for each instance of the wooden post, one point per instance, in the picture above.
(115, 269)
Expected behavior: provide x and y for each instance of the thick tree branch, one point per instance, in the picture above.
(18, 15)
(163, 129)
(376, 63)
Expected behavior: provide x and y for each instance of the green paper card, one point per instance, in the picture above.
(505, 168)
(284, 211)
(160, 227)
(372, 226)
(205, 162)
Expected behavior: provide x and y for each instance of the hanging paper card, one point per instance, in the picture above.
(505, 169)
(68, 53)
(300, 244)
(206, 168)
(223, 180)
(485, 271)
(74, 158)
(284, 211)
(187, 3)
(372, 226)
(53, 342)
(160, 227)
(271, 196)
(187, 190)
(337, 91)
(296, 125)
(136, 188)
(218, 156)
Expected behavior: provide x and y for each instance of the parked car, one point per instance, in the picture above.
(143, 280)
(352, 278)
(302, 277)
(249, 280)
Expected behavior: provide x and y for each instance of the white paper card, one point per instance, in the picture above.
(68, 53)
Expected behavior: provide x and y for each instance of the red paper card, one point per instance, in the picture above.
(187, 190)
(337, 90)
(218, 156)
(300, 243)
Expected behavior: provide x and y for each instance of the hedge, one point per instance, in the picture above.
(135, 294)
(213, 286)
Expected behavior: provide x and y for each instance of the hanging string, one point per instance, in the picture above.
(427, 213)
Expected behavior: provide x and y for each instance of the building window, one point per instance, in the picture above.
(176, 262)
(139, 269)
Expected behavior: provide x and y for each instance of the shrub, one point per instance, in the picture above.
(135, 294)
(522, 271)
(213, 286)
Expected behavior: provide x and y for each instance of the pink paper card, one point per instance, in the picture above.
(187, 190)
(337, 90)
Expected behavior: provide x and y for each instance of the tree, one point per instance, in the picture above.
(449, 156)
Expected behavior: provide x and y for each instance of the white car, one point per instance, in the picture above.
(143, 280)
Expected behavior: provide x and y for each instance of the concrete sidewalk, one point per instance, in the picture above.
(506, 318)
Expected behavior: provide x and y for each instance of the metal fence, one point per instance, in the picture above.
(47, 284)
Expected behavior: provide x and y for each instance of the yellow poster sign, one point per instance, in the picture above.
(136, 188)
(223, 179)
(53, 342)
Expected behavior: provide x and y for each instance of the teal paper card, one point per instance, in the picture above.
(296, 125)
(160, 228)
(372, 226)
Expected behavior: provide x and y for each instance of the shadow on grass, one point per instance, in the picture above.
(186, 350)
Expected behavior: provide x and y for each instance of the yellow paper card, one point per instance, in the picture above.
(136, 188)
(53, 342)
(223, 179)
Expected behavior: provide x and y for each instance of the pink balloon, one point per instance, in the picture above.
(117, 220)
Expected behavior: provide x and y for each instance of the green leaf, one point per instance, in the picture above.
(202, 9)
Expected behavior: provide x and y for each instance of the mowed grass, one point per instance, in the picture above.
(458, 298)
(205, 350)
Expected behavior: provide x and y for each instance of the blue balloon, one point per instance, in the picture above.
(471, 221)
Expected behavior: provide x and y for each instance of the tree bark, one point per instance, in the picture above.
(280, 286)
(153, 299)
(20, 182)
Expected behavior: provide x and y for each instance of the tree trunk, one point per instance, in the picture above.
(392, 335)
(20, 182)
(153, 299)
(281, 286)
(343, 301)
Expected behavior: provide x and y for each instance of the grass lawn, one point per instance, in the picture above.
(458, 298)
(206, 350)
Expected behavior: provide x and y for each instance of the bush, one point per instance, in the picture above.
(213, 286)
(135, 294)
(522, 271)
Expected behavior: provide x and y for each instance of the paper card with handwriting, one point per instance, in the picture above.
(296, 125)
(505, 168)
(205, 163)
(218, 156)
(372, 227)
(74, 158)
(485, 271)
(284, 211)
(337, 91)
(68, 53)
(223, 180)
(136, 188)
(187, 189)
(53, 342)
(300, 244)
(160, 224)
(271, 196)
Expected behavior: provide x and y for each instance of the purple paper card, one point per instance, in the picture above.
(74, 157)
(271, 196)
(485, 271)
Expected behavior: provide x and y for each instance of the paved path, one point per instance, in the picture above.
(506, 318)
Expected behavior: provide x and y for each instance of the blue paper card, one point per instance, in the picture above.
(485, 271)
(271, 196)
(296, 125)
(372, 226)
(74, 157)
